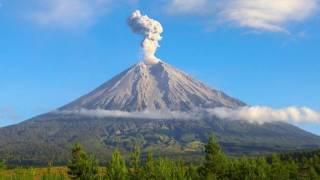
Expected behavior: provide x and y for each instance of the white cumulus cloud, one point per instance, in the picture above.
(267, 15)
(263, 114)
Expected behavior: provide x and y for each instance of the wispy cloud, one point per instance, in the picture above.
(251, 114)
(190, 7)
(8, 114)
(100, 113)
(266, 15)
(68, 13)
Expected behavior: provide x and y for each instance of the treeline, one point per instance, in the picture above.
(216, 165)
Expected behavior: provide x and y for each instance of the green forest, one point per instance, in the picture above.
(214, 165)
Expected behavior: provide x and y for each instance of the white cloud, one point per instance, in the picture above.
(100, 113)
(262, 114)
(251, 114)
(189, 6)
(267, 15)
(68, 13)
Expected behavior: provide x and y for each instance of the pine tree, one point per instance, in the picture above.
(262, 168)
(163, 169)
(192, 173)
(82, 166)
(179, 170)
(278, 169)
(2, 164)
(316, 163)
(135, 169)
(149, 168)
(247, 168)
(117, 169)
(292, 168)
(215, 165)
(313, 175)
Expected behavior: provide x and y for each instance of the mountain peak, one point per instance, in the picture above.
(153, 87)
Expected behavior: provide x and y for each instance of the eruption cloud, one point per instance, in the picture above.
(151, 31)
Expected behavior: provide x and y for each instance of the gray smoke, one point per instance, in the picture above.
(151, 31)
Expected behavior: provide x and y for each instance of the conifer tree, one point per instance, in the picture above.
(262, 170)
(313, 175)
(278, 169)
(192, 173)
(292, 168)
(82, 166)
(2, 164)
(135, 164)
(215, 165)
(117, 169)
(149, 168)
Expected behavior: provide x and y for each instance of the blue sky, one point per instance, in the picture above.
(262, 52)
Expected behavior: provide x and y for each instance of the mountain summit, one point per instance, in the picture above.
(153, 87)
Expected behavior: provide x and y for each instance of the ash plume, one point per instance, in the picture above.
(151, 31)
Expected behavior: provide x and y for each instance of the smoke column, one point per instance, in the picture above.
(151, 31)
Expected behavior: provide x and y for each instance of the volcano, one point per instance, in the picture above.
(153, 87)
(145, 87)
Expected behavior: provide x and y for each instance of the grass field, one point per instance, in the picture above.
(34, 173)
(44, 173)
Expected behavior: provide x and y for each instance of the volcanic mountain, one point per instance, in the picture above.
(153, 87)
(143, 88)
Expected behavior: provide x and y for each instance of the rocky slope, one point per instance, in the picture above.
(156, 87)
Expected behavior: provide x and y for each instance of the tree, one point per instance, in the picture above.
(316, 163)
(82, 166)
(262, 170)
(149, 168)
(278, 169)
(2, 164)
(292, 168)
(313, 174)
(192, 173)
(247, 169)
(117, 169)
(216, 162)
(135, 164)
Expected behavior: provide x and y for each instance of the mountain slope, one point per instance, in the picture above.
(157, 87)
(49, 137)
